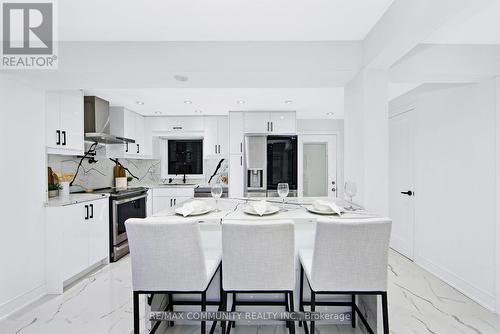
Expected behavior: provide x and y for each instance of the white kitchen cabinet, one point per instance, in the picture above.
(283, 122)
(64, 122)
(98, 227)
(128, 124)
(216, 137)
(149, 203)
(77, 239)
(236, 132)
(175, 124)
(236, 176)
(274, 122)
(170, 196)
(257, 122)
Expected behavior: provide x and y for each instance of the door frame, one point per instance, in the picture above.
(413, 184)
(300, 158)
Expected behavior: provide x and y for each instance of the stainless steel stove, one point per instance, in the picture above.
(123, 204)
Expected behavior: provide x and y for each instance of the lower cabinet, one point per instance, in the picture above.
(77, 239)
(169, 197)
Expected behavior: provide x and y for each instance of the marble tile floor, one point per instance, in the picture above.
(101, 303)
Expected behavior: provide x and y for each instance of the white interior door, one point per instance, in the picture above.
(317, 165)
(401, 201)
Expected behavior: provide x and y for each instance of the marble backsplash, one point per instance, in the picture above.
(100, 174)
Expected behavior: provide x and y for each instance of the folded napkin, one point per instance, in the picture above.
(260, 207)
(193, 207)
(327, 206)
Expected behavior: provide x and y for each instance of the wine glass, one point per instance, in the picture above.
(283, 191)
(350, 190)
(216, 191)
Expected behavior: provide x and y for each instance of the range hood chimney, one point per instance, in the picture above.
(96, 122)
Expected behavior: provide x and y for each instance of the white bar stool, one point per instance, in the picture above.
(258, 257)
(349, 258)
(168, 258)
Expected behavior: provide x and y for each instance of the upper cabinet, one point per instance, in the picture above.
(275, 122)
(128, 124)
(64, 122)
(236, 132)
(216, 137)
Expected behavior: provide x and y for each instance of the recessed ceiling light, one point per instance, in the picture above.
(329, 113)
(288, 101)
(188, 102)
(198, 111)
(240, 101)
(182, 78)
(139, 103)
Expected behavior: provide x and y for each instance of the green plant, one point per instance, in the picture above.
(54, 186)
(129, 178)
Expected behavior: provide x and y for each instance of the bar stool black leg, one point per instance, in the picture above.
(313, 308)
(171, 307)
(353, 311)
(203, 309)
(287, 323)
(136, 311)
(292, 308)
(301, 292)
(385, 312)
(224, 308)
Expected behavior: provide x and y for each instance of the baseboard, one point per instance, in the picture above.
(478, 295)
(19, 302)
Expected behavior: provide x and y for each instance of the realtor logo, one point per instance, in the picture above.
(28, 35)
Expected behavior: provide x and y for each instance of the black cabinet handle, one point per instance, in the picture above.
(170, 202)
(409, 192)
(215, 148)
(267, 126)
(58, 142)
(137, 148)
(126, 147)
(241, 147)
(175, 201)
(271, 126)
(91, 211)
(64, 138)
(241, 160)
(86, 212)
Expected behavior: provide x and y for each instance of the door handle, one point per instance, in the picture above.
(86, 212)
(91, 211)
(126, 147)
(175, 201)
(271, 126)
(170, 202)
(241, 160)
(219, 149)
(137, 148)
(215, 148)
(64, 138)
(267, 126)
(241, 147)
(409, 193)
(58, 132)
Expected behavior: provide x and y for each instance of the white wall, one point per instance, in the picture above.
(455, 188)
(367, 138)
(23, 174)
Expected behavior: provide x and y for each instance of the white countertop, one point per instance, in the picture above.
(74, 199)
(232, 209)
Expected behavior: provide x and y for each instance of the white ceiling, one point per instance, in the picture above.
(308, 102)
(218, 20)
(481, 27)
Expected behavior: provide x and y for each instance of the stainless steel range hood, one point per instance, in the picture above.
(96, 122)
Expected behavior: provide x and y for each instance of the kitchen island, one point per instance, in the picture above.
(231, 209)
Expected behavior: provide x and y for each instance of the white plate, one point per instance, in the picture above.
(270, 210)
(320, 212)
(198, 213)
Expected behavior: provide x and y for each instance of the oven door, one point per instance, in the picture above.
(123, 209)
